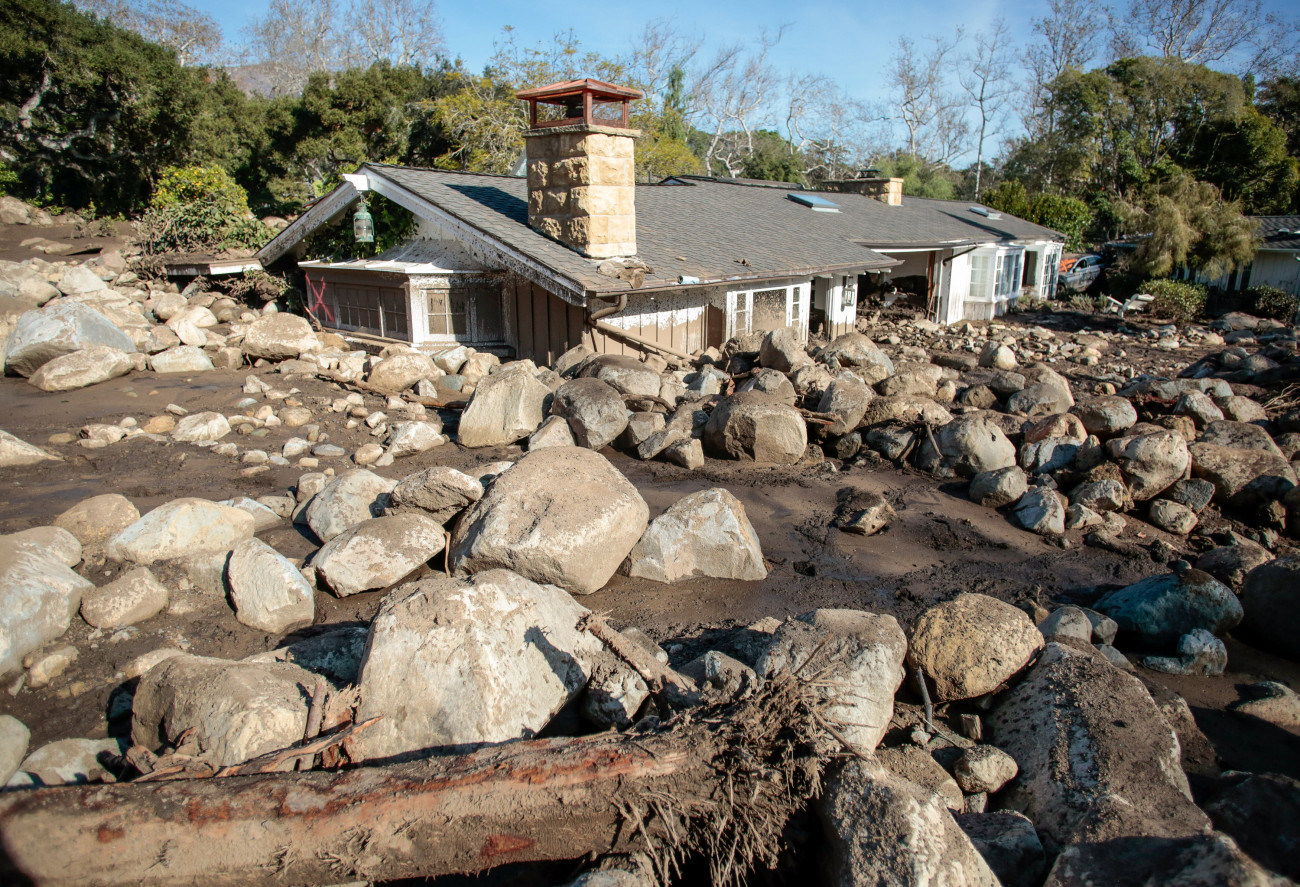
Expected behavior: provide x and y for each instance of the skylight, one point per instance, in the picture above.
(985, 211)
(815, 203)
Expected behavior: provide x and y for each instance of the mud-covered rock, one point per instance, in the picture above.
(563, 516)
(1097, 759)
(859, 654)
(757, 427)
(971, 644)
(379, 552)
(1161, 609)
(239, 710)
(702, 534)
(882, 829)
(495, 657)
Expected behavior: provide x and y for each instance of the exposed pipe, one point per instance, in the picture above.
(632, 337)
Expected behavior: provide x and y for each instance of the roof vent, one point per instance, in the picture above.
(815, 203)
(986, 212)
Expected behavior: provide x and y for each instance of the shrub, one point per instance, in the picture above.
(199, 209)
(1176, 300)
(1269, 301)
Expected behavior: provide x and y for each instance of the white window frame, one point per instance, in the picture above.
(798, 299)
(990, 292)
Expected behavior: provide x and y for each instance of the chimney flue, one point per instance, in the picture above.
(581, 166)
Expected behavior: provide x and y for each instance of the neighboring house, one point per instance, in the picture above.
(1276, 262)
(578, 253)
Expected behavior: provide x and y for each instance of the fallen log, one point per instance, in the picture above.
(718, 780)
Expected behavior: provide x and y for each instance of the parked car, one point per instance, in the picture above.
(1077, 273)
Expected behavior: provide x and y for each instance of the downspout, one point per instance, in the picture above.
(595, 323)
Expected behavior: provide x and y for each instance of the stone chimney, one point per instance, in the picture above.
(581, 166)
(887, 190)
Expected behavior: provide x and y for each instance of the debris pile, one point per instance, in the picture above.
(979, 743)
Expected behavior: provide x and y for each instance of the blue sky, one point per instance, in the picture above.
(850, 42)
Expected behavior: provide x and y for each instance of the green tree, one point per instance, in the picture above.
(920, 178)
(1246, 158)
(772, 158)
(1185, 223)
(90, 112)
(1069, 215)
(1008, 197)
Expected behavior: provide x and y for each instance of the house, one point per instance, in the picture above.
(1276, 262)
(577, 253)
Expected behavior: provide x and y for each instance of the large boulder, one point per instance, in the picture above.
(269, 593)
(239, 710)
(201, 426)
(1041, 511)
(1212, 860)
(441, 491)
(968, 446)
(494, 658)
(971, 645)
(399, 372)
(1106, 415)
(181, 359)
(703, 534)
(279, 336)
(90, 366)
(860, 659)
(883, 829)
(92, 521)
(1097, 759)
(39, 594)
(561, 515)
(858, 351)
(60, 328)
(133, 597)
(1009, 844)
(18, 453)
(594, 410)
(782, 351)
(1271, 599)
(626, 374)
(1242, 476)
(346, 501)
(999, 487)
(179, 528)
(1161, 609)
(1261, 811)
(758, 427)
(1040, 399)
(506, 407)
(847, 399)
(1150, 463)
(379, 552)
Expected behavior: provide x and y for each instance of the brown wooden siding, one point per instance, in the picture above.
(542, 326)
(687, 336)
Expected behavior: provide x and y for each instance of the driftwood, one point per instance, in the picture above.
(720, 781)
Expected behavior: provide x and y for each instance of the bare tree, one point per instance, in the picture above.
(824, 124)
(1068, 40)
(295, 39)
(403, 32)
(735, 99)
(930, 112)
(1206, 31)
(194, 35)
(987, 80)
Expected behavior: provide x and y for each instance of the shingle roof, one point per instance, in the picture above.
(1271, 228)
(714, 230)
